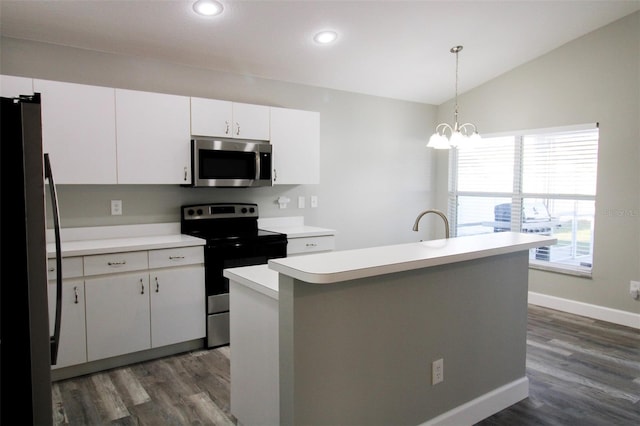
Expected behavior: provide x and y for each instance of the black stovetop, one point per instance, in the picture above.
(225, 221)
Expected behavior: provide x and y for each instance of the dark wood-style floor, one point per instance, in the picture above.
(582, 372)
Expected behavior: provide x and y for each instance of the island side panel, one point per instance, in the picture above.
(254, 356)
(360, 352)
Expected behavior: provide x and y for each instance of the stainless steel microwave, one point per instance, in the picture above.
(220, 162)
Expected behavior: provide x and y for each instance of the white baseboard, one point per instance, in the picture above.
(602, 313)
(484, 406)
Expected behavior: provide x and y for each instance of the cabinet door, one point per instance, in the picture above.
(211, 117)
(78, 131)
(11, 86)
(72, 349)
(295, 136)
(251, 121)
(177, 305)
(153, 138)
(117, 310)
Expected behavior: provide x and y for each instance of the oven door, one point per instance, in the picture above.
(230, 163)
(233, 254)
(230, 254)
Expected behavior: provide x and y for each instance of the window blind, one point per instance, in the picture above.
(541, 181)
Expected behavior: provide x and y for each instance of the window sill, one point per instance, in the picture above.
(561, 269)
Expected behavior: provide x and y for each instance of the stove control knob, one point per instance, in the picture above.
(252, 210)
(199, 212)
(190, 212)
(244, 210)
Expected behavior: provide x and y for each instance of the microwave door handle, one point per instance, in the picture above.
(258, 174)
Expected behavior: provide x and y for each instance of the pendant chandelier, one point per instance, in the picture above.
(447, 136)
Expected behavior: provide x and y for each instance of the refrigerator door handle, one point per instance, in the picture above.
(55, 339)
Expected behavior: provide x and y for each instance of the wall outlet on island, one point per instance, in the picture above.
(437, 371)
(634, 290)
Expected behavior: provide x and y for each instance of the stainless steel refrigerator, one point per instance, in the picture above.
(27, 348)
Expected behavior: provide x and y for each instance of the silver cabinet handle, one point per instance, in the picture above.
(75, 292)
(226, 129)
(237, 129)
(157, 286)
(52, 269)
(311, 245)
(176, 257)
(124, 262)
(141, 286)
(185, 173)
(275, 175)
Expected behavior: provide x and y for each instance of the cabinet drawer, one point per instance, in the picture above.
(310, 244)
(115, 262)
(176, 256)
(71, 267)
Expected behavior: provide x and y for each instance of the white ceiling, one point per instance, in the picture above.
(390, 48)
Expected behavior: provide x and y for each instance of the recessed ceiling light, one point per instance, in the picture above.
(325, 37)
(207, 7)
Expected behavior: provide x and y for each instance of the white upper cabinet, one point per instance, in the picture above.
(153, 138)
(212, 117)
(11, 86)
(78, 131)
(295, 136)
(251, 121)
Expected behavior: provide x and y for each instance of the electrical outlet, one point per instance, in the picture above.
(437, 371)
(301, 202)
(314, 201)
(634, 289)
(116, 207)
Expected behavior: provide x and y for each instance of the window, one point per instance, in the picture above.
(541, 182)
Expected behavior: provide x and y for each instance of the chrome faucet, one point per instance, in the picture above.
(439, 213)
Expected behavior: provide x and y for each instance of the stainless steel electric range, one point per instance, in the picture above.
(232, 240)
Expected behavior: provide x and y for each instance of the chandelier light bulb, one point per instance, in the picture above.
(438, 141)
(457, 139)
(475, 137)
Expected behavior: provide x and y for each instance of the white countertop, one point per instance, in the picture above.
(293, 227)
(337, 266)
(300, 231)
(124, 238)
(118, 245)
(258, 277)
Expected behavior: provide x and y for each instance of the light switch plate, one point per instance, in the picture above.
(301, 202)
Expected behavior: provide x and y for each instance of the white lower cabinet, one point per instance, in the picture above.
(316, 244)
(72, 347)
(177, 305)
(117, 315)
(120, 303)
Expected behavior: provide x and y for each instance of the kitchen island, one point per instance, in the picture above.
(357, 332)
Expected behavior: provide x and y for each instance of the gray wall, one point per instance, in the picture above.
(376, 173)
(595, 78)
